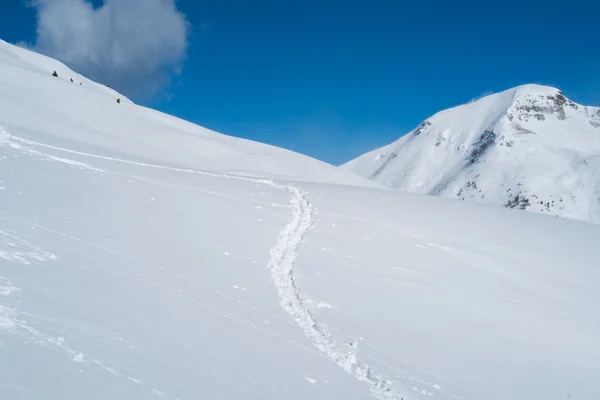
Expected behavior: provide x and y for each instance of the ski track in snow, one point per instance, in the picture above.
(281, 264)
(13, 321)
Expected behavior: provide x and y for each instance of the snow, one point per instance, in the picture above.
(528, 147)
(144, 257)
(125, 129)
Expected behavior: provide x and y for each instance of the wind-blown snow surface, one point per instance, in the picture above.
(527, 148)
(130, 272)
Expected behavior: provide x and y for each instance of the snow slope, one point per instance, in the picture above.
(528, 148)
(131, 272)
(87, 117)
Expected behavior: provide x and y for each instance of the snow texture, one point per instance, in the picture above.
(144, 257)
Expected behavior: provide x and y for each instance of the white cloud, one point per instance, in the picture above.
(133, 45)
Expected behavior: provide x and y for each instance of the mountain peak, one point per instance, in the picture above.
(532, 89)
(533, 101)
(529, 147)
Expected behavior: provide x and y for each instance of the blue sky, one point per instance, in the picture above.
(333, 79)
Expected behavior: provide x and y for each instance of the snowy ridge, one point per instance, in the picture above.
(281, 264)
(84, 115)
(528, 148)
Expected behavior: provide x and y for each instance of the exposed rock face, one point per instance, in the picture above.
(539, 107)
(421, 128)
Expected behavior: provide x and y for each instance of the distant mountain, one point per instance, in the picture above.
(529, 148)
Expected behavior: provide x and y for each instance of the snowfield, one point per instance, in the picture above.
(527, 148)
(144, 257)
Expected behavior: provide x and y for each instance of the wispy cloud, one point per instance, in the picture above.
(481, 96)
(136, 46)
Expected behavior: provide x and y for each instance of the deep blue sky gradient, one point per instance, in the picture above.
(333, 79)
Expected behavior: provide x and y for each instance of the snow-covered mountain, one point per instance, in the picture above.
(144, 257)
(528, 148)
